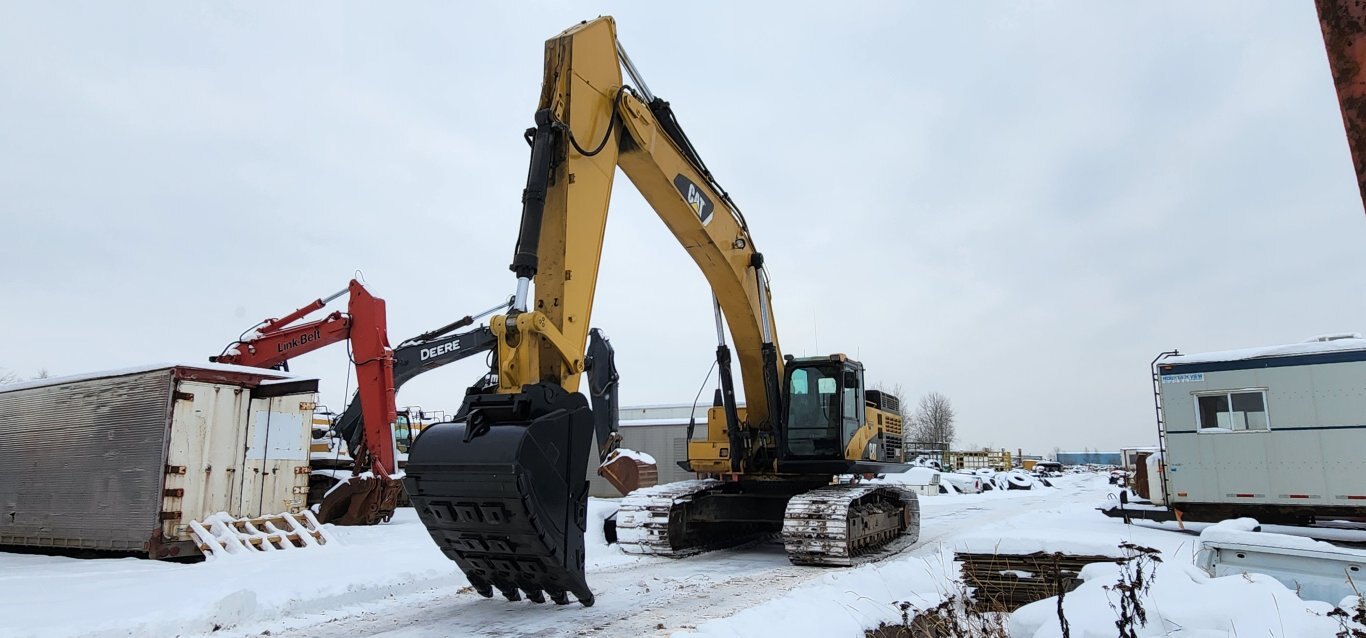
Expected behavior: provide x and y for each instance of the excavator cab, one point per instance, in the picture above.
(403, 432)
(824, 405)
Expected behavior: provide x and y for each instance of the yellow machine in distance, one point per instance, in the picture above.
(501, 490)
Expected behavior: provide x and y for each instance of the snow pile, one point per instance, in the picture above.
(913, 476)
(843, 602)
(1312, 346)
(961, 483)
(1241, 531)
(1183, 601)
(107, 597)
(600, 554)
(634, 455)
(391, 579)
(1048, 541)
(262, 373)
(52, 596)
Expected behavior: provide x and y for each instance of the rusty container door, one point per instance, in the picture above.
(205, 456)
(275, 468)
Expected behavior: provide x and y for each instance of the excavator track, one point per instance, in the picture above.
(844, 525)
(644, 515)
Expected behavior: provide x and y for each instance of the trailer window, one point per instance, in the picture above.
(1233, 411)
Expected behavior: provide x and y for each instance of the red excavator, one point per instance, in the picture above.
(371, 494)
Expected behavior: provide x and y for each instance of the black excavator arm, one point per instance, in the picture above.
(413, 357)
(431, 350)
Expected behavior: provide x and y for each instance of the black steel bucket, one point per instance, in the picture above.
(504, 492)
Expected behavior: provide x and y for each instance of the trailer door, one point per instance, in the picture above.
(275, 471)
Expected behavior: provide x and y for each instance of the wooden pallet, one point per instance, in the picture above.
(1007, 582)
(221, 533)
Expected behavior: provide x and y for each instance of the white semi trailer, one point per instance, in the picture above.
(125, 460)
(1275, 433)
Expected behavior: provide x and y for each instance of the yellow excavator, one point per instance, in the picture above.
(501, 489)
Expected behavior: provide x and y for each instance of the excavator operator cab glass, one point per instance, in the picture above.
(403, 433)
(852, 408)
(814, 411)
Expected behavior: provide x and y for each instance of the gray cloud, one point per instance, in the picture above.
(1016, 206)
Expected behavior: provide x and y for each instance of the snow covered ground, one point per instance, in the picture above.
(390, 580)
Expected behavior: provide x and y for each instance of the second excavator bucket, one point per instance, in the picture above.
(629, 471)
(504, 493)
(364, 499)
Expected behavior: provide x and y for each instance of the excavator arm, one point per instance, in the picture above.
(276, 341)
(588, 123)
(434, 349)
(412, 358)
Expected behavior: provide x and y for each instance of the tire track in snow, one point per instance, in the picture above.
(649, 597)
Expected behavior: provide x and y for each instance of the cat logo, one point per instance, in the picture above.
(696, 199)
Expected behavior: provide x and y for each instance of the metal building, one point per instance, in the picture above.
(1089, 458)
(658, 430)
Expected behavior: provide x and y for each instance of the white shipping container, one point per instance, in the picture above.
(124, 460)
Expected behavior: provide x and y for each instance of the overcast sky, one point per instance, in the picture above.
(1017, 205)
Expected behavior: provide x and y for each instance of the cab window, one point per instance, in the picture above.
(813, 413)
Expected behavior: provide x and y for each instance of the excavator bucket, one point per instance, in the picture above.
(504, 493)
(629, 471)
(364, 499)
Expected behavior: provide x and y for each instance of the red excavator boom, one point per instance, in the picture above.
(276, 341)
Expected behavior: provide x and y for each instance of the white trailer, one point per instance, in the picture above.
(125, 460)
(1274, 433)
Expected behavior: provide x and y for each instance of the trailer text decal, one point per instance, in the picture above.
(1183, 378)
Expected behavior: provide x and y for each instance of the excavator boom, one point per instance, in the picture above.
(371, 499)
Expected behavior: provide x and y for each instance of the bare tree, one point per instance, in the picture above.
(10, 376)
(933, 419)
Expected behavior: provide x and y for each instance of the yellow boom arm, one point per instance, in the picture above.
(588, 124)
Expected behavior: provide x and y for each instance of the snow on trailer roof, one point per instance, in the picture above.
(1317, 345)
(267, 376)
